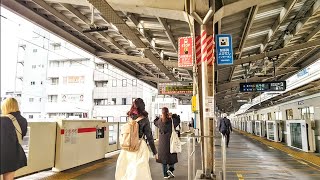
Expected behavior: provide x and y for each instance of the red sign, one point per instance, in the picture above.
(185, 52)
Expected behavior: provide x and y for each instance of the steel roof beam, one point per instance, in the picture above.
(111, 16)
(283, 15)
(84, 19)
(168, 33)
(252, 14)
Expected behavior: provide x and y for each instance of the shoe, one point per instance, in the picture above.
(171, 175)
(166, 177)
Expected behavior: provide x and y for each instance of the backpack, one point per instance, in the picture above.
(225, 128)
(129, 138)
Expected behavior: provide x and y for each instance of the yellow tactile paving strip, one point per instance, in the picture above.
(308, 157)
(73, 174)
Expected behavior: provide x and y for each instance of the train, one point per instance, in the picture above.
(295, 123)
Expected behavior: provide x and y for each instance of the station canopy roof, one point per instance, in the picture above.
(272, 39)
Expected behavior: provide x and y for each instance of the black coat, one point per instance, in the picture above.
(145, 129)
(165, 130)
(225, 126)
(12, 155)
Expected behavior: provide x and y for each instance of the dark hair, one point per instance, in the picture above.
(139, 106)
(165, 114)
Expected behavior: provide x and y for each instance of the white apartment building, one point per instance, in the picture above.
(62, 81)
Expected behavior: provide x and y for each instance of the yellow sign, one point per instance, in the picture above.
(194, 104)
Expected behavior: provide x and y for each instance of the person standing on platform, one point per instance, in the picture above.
(225, 127)
(165, 129)
(13, 127)
(134, 165)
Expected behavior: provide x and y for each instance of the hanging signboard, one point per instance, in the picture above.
(224, 49)
(174, 88)
(209, 109)
(185, 52)
(263, 86)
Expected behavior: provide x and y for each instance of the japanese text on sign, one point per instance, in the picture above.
(185, 52)
(224, 49)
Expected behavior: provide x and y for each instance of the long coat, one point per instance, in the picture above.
(12, 155)
(165, 130)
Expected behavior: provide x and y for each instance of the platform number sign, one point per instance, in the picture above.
(224, 51)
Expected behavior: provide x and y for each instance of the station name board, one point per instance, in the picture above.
(263, 86)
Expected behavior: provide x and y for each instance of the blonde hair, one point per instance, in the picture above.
(9, 105)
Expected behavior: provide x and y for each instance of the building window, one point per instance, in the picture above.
(30, 116)
(110, 119)
(39, 99)
(101, 83)
(54, 81)
(101, 102)
(114, 101)
(52, 98)
(100, 66)
(31, 99)
(134, 82)
(124, 101)
(41, 82)
(54, 63)
(289, 114)
(114, 82)
(35, 50)
(123, 118)
(34, 66)
(56, 46)
(32, 83)
(124, 83)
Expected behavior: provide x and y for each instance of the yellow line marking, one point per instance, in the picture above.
(71, 175)
(240, 177)
(309, 157)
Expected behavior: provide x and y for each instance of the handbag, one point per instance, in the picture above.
(175, 143)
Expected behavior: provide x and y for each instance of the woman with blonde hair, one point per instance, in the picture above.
(13, 127)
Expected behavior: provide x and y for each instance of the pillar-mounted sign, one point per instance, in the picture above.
(224, 49)
(185, 52)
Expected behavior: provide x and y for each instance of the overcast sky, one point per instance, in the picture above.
(13, 27)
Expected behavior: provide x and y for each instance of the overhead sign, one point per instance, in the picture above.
(263, 86)
(185, 52)
(174, 88)
(224, 51)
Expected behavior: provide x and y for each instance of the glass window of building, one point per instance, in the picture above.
(54, 81)
(35, 50)
(99, 66)
(124, 83)
(52, 98)
(114, 101)
(123, 118)
(34, 66)
(124, 101)
(110, 119)
(32, 83)
(307, 113)
(289, 114)
(101, 102)
(114, 82)
(30, 116)
(31, 99)
(134, 82)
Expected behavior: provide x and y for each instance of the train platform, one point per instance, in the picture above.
(248, 157)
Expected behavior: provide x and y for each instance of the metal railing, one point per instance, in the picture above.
(191, 153)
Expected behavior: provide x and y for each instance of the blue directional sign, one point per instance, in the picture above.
(224, 51)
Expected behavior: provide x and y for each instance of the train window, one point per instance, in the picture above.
(278, 115)
(307, 113)
(269, 116)
(289, 114)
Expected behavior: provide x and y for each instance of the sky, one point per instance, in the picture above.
(13, 27)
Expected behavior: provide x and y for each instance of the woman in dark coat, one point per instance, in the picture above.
(12, 155)
(164, 156)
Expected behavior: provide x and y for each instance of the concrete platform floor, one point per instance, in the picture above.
(247, 158)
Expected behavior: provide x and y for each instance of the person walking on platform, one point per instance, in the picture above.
(133, 163)
(13, 127)
(165, 129)
(225, 127)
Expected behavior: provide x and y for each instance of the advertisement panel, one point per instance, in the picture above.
(185, 52)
